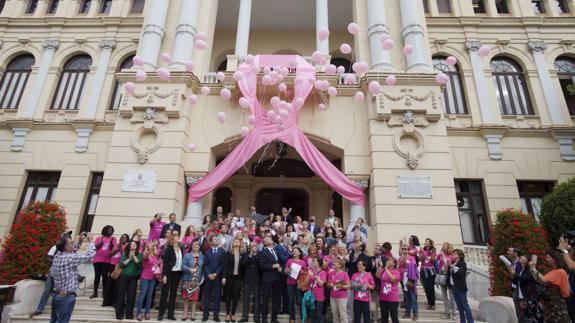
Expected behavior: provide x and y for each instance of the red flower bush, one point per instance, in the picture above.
(36, 229)
(518, 230)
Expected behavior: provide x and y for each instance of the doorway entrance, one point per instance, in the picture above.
(273, 199)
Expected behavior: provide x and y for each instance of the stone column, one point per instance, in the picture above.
(243, 32)
(547, 84)
(107, 46)
(357, 211)
(49, 47)
(194, 212)
(153, 33)
(321, 22)
(41, 8)
(413, 32)
(185, 34)
(480, 82)
(376, 16)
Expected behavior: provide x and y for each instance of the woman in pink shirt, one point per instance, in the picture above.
(446, 293)
(101, 261)
(147, 280)
(361, 283)
(294, 294)
(317, 280)
(389, 291)
(189, 236)
(409, 277)
(339, 283)
(115, 257)
(156, 226)
(427, 256)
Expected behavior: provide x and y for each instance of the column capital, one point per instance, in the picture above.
(51, 44)
(193, 179)
(107, 44)
(154, 29)
(186, 29)
(473, 45)
(413, 29)
(537, 45)
(377, 28)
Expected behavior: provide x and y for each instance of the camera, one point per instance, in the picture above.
(569, 236)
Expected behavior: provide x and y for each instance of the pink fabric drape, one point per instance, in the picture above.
(265, 131)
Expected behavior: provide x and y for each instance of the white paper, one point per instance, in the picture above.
(505, 260)
(295, 269)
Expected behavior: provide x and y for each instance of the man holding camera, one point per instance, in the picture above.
(566, 247)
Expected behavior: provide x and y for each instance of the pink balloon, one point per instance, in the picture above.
(322, 107)
(278, 120)
(284, 71)
(330, 69)
(192, 99)
(138, 61)
(244, 131)
(226, 94)
(251, 119)
(298, 103)
(166, 58)
(200, 44)
(390, 80)
(451, 60)
(280, 127)
(340, 70)
(284, 113)
(483, 51)
(141, 76)
(316, 56)
(323, 34)
(201, 36)
(408, 50)
(349, 79)
(345, 48)
(190, 66)
(238, 76)
(441, 78)
(359, 96)
(272, 114)
(275, 101)
(374, 87)
(221, 117)
(353, 28)
(360, 67)
(130, 87)
(292, 63)
(267, 80)
(388, 44)
(205, 90)
(192, 147)
(324, 85)
(163, 74)
(245, 103)
(267, 70)
(250, 59)
(221, 76)
(332, 91)
(282, 87)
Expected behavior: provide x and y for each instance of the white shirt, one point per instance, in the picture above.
(178, 265)
(52, 251)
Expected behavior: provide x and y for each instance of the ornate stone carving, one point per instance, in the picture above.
(494, 146)
(186, 29)
(151, 120)
(412, 29)
(408, 121)
(82, 140)
(107, 44)
(408, 99)
(537, 46)
(362, 183)
(153, 92)
(154, 29)
(377, 28)
(473, 45)
(191, 180)
(50, 44)
(19, 138)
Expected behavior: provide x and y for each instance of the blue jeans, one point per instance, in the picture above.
(62, 308)
(465, 315)
(317, 314)
(147, 288)
(410, 301)
(46, 293)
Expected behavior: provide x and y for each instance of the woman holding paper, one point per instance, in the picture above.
(294, 267)
(339, 283)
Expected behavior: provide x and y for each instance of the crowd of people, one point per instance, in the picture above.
(302, 268)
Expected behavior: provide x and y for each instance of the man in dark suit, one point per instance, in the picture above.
(313, 227)
(270, 277)
(172, 226)
(286, 217)
(203, 240)
(213, 262)
(284, 255)
(219, 213)
(251, 284)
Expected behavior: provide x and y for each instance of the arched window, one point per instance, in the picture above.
(453, 94)
(222, 197)
(52, 7)
(117, 92)
(138, 6)
(340, 61)
(105, 6)
(512, 93)
(32, 5)
(444, 6)
(566, 71)
(14, 81)
(71, 83)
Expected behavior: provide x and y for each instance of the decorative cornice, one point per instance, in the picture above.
(494, 146)
(537, 46)
(473, 45)
(154, 29)
(50, 44)
(107, 44)
(362, 183)
(186, 29)
(412, 29)
(377, 28)
(191, 180)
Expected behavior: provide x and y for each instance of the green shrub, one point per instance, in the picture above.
(558, 211)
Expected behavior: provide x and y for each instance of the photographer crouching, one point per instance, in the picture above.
(567, 247)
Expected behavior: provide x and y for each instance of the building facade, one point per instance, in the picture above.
(434, 160)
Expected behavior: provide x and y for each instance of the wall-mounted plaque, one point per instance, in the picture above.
(143, 181)
(414, 187)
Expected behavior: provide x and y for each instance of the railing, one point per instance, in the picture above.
(477, 255)
(341, 80)
(211, 77)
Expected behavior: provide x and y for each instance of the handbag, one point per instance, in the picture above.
(116, 272)
(303, 280)
(441, 279)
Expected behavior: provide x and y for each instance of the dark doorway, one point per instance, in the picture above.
(337, 206)
(273, 199)
(223, 198)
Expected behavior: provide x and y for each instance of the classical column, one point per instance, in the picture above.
(194, 212)
(41, 8)
(547, 84)
(321, 22)
(243, 32)
(357, 211)
(413, 32)
(107, 46)
(185, 33)
(480, 82)
(153, 33)
(49, 47)
(380, 59)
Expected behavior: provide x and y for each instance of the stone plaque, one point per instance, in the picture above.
(414, 187)
(143, 181)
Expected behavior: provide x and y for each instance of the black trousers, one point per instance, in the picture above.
(274, 291)
(570, 302)
(126, 295)
(428, 281)
(249, 289)
(232, 294)
(101, 269)
(212, 293)
(361, 309)
(169, 292)
(110, 293)
(389, 309)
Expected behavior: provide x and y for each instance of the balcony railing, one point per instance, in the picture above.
(477, 255)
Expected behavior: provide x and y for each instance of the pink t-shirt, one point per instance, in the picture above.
(338, 276)
(148, 265)
(117, 256)
(389, 292)
(362, 278)
(156, 230)
(330, 261)
(103, 253)
(318, 291)
(441, 258)
(187, 241)
(302, 263)
(426, 262)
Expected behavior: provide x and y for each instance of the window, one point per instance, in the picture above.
(453, 95)
(105, 6)
(117, 93)
(32, 5)
(472, 215)
(502, 6)
(479, 6)
(538, 6)
(52, 7)
(566, 71)
(340, 61)
(444, 6)
(562, 5)
(531, 195)
(85, 6)
(40, 186)
(425, 6)
(92, 202)
(138, 6)
(71, 83)
(223, 197)
(511, 90)
(14, 81)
